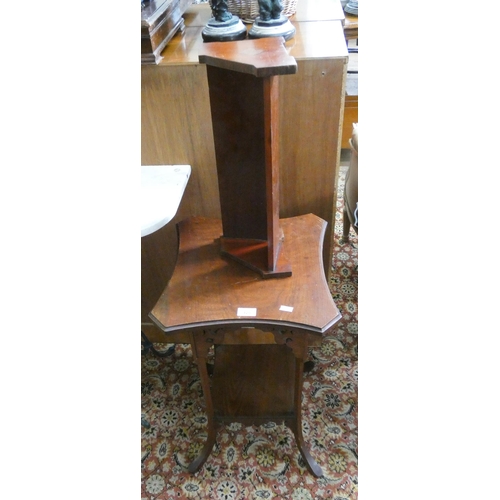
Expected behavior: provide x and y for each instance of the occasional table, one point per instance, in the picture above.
(259, 327)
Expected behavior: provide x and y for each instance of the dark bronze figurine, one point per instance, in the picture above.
(271, 21)
(270, 9)
(220, 10)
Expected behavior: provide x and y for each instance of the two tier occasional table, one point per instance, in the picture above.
(259, 327)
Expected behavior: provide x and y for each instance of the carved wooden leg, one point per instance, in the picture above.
(311, 464)
(297, 342)
(201, 360)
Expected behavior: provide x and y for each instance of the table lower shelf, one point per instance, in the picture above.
(251, 383)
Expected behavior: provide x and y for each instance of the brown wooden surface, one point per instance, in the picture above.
(237, 106)
(207, 289)
(177, 128)
(248, 394)
(241, 336)
(262, 57)
(275, 257)
(158, 257)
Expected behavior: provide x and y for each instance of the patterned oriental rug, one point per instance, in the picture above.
(259, 462)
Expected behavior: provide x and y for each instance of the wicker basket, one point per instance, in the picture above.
(248, 10)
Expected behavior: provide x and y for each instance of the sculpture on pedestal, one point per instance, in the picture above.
(220, 11)
(270, 9)
(271, 22)
(223, 26)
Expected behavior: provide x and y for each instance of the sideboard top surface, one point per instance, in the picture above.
(314, 39)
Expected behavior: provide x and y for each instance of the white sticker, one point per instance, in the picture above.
(287, 309)
(246, 311)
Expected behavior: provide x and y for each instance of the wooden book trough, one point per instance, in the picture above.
(243, 87)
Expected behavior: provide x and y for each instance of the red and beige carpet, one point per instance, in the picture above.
(259, 462)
